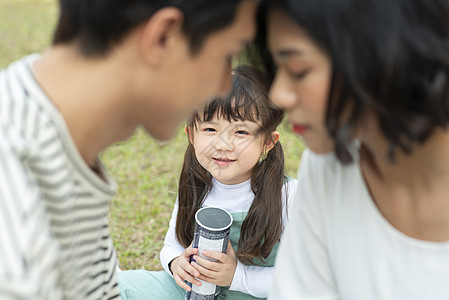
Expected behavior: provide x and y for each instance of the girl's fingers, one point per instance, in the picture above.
(204, 271)
(180, 282)
(189, 268)
(208, 279)
(204, 263)
(190, 251)
(187, 277)
(215, 255)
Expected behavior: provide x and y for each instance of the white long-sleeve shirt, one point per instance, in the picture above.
(253, 280)
(338, 245)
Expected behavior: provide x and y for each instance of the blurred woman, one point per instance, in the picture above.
(366, 85)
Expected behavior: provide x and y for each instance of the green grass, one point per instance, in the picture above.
(146, 172)
(25, 27)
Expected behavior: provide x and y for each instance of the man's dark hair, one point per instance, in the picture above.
(96, 26)
(388, 56)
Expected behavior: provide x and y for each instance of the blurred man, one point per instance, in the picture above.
(113, 65)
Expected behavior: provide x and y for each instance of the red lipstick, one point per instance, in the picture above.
(299, 129)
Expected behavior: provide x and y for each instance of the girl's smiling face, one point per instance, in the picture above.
(229, 150)
(302, 81)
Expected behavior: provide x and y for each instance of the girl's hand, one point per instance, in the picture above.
(183, 270)
(220, 272)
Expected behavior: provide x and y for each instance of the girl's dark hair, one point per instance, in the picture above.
(262, 226)
(96, 26)
(388, 56)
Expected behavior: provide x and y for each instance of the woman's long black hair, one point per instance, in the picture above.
(388, 56)
(262, 227)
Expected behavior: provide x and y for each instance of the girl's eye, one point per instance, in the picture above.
(242, 132)
(209, 129)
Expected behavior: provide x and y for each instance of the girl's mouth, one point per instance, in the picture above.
(223, 161)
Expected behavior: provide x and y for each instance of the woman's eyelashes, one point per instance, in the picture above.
(291, 71)
(299, 75)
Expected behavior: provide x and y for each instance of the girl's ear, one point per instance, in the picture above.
(189, 135)
(270, 142)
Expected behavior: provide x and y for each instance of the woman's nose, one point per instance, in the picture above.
(281, 92)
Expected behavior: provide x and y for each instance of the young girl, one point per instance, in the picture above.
(234, 161)
(365, 82)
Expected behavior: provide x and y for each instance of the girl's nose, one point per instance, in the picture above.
(224, 143)
(281, 92)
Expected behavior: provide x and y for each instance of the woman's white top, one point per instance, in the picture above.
(339, 246)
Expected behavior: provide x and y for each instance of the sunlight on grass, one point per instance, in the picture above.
(146, 172)
(147, 175)
(25, 27)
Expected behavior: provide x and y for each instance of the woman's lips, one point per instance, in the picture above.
(300, 129)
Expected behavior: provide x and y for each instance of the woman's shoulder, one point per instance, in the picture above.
(324, 177)
(289, 180)
(289, 185)
(327, 165)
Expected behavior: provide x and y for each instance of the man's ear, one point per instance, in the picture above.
(159, 35)
(271, 142)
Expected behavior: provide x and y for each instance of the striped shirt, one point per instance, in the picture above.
(54, 237)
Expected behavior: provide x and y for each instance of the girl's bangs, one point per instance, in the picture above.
(242, 104)
(247, 101)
